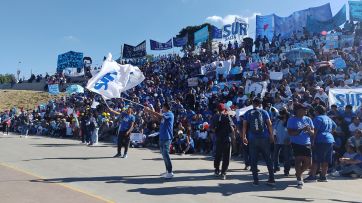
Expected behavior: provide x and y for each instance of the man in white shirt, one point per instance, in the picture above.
(355, 125)
(322, 95)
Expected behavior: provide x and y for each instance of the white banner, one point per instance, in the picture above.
(276, 75)
(343, 97)
(193, 82)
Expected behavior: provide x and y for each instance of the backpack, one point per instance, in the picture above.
(256, 122)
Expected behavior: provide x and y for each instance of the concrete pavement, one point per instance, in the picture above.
(92, 173)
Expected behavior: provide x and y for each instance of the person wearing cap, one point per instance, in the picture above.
(224, 127)
(300, 129)
(322, 144)
(257, 125)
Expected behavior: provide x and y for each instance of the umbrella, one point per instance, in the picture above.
(75, 89)
(300, 53)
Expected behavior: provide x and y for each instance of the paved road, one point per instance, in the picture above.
(36, 165)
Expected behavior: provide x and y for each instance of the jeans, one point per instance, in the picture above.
(94, 136)
(246, 155)
(25, 130)
(165, 151)
(287, 151)
(256, 146)
(351, 169)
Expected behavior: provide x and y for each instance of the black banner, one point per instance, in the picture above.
(134, 51)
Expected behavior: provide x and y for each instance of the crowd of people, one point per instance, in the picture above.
(290, 121)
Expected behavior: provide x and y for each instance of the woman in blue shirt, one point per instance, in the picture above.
(322, 144)
(300, 129)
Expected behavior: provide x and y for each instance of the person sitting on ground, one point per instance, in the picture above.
(355, 168)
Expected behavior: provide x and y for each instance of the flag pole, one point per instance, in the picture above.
(133, 102)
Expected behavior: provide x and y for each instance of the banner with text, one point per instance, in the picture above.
(343, 97)
(317, 26)
(355, 10)
(160, 46)
(265, 26)
(180, 41)
(138, 51)
(70, 59)
(53, 89)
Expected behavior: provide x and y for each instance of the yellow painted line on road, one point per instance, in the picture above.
(61, 184)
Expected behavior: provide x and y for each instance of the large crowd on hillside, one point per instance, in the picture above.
(305, 84)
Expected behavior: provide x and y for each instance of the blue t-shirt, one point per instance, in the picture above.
(324, 127)
(359, 158)
(166, 127)
(265, 118)
(295, 123)
(126, 122)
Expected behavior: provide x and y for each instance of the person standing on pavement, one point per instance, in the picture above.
(224, 128)
(282, 143)
(258, 126)
(165, 136)
(300, 129)
(124, 131)
(322, 144)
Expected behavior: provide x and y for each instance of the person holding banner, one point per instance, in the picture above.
(301, 129)
(165, 136)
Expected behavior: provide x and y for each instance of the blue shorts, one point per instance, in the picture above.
(322, 152)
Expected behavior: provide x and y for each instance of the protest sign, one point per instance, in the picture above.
(53, 89)
(343, 97)
(193, 82)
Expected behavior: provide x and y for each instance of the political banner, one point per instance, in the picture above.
(265, 26)
(343, 97)
(316, 26)
(285, 26)
(73, 72)
(193, 82)
(134, 51)
(235, 30)
(355, 10)
(276, 75)
(70, 59)
(208, 68)
(160, 46)
(180, 41)
(53, 89)
(216, 33)
(201, 35)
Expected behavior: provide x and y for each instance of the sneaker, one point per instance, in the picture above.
(125, 156)
(246, 168)
(163, 174)
(276, 170)
(223, 176)
(117, 155)
(217, 172)
(336, 174)
(322, 179)
(300, 184)
(310, 179)
(255, 183)
(271, 183)
(168, 175)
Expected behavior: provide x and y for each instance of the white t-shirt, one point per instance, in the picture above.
(352, 127)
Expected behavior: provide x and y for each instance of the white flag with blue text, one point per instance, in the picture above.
(114, 78)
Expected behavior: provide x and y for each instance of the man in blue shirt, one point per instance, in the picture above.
(124, 131)
(322, 144)
(300, 129)
(258, 126)
(165, 136)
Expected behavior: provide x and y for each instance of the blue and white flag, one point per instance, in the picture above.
(344, 97)
(160, 46)
(317, 26)
(201, 35)
(114, 78)
(355, 10)
(265, 26)
(180, 41)
(216, 33)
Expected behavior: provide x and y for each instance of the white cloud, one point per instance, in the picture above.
(228, 19)
(70, 38)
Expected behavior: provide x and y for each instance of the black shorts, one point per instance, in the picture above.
(302, 150)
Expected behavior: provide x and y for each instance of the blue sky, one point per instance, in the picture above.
(35, 32)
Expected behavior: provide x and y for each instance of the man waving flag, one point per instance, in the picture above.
(114, 78)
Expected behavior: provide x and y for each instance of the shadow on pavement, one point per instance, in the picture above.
(69, 158)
